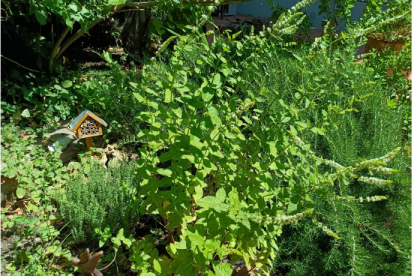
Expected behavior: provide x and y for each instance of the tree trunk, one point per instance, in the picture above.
(133, 29)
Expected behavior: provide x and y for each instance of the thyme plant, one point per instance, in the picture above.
(108, 198)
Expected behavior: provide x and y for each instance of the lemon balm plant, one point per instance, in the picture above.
(226, 166)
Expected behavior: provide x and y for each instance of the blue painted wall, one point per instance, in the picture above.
(261, 8)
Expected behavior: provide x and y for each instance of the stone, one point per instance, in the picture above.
(134, 157)
(8, 190)
(60, 144)
(70, 153)
(103, 159)
(114, 155)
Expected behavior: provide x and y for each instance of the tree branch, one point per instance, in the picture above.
(135, 5)
(21, 65)
(56, 48)
(79, 33)
(73, 38)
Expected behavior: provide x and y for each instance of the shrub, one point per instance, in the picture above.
(223, 157)
(107, 197)
(375, 237)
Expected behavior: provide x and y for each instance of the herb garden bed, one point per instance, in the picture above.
(251, 155)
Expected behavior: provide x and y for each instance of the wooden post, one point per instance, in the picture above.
(89, 143)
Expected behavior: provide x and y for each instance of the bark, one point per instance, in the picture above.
(133, 29)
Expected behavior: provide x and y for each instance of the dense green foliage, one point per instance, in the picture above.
(254, 156)
(375, 236)
(303, 33)
(26, 162)
(218, 137)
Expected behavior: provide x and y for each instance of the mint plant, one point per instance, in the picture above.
(227, 172)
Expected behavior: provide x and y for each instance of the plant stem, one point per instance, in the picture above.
(56, 48)
(168, 231)
(72, 39)
(21, 65)
(79, 33)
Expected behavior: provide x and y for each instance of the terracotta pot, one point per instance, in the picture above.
(381, 45)
(407, 75)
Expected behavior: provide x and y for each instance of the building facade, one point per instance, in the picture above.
(261, 8)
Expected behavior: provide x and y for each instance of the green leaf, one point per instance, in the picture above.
(165, 172)
(167, 156)
(157, 266)
(318, 131)
(184, 269)
(41, 15)
(139, 97)
(213, 203)
(73, 7)
(273, 150)
(292, 208)
(116, 2)
(207, 94)
(297, 57)
(214, 114)
(193, 102)
(133, 84)
(302, 124)
(168, 96)
(208, 202)
(116, 242)
(120, 234)
(196, 239)
(67, 84)
(221, 194)
(177, 110)
(20, 192)
(229, 135)
(127, 242)
(102, 241)
(217, 81)
(223, 269)
(157, 23)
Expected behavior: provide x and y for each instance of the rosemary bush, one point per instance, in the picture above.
(107, 197)
(375, 237)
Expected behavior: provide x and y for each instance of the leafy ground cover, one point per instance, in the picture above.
(256, 156)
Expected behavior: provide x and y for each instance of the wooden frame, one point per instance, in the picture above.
(80, 136)
(84, 118)
(76, 126)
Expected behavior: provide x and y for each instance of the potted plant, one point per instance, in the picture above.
(391, 36)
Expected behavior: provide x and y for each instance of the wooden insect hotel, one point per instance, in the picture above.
(87, 125)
